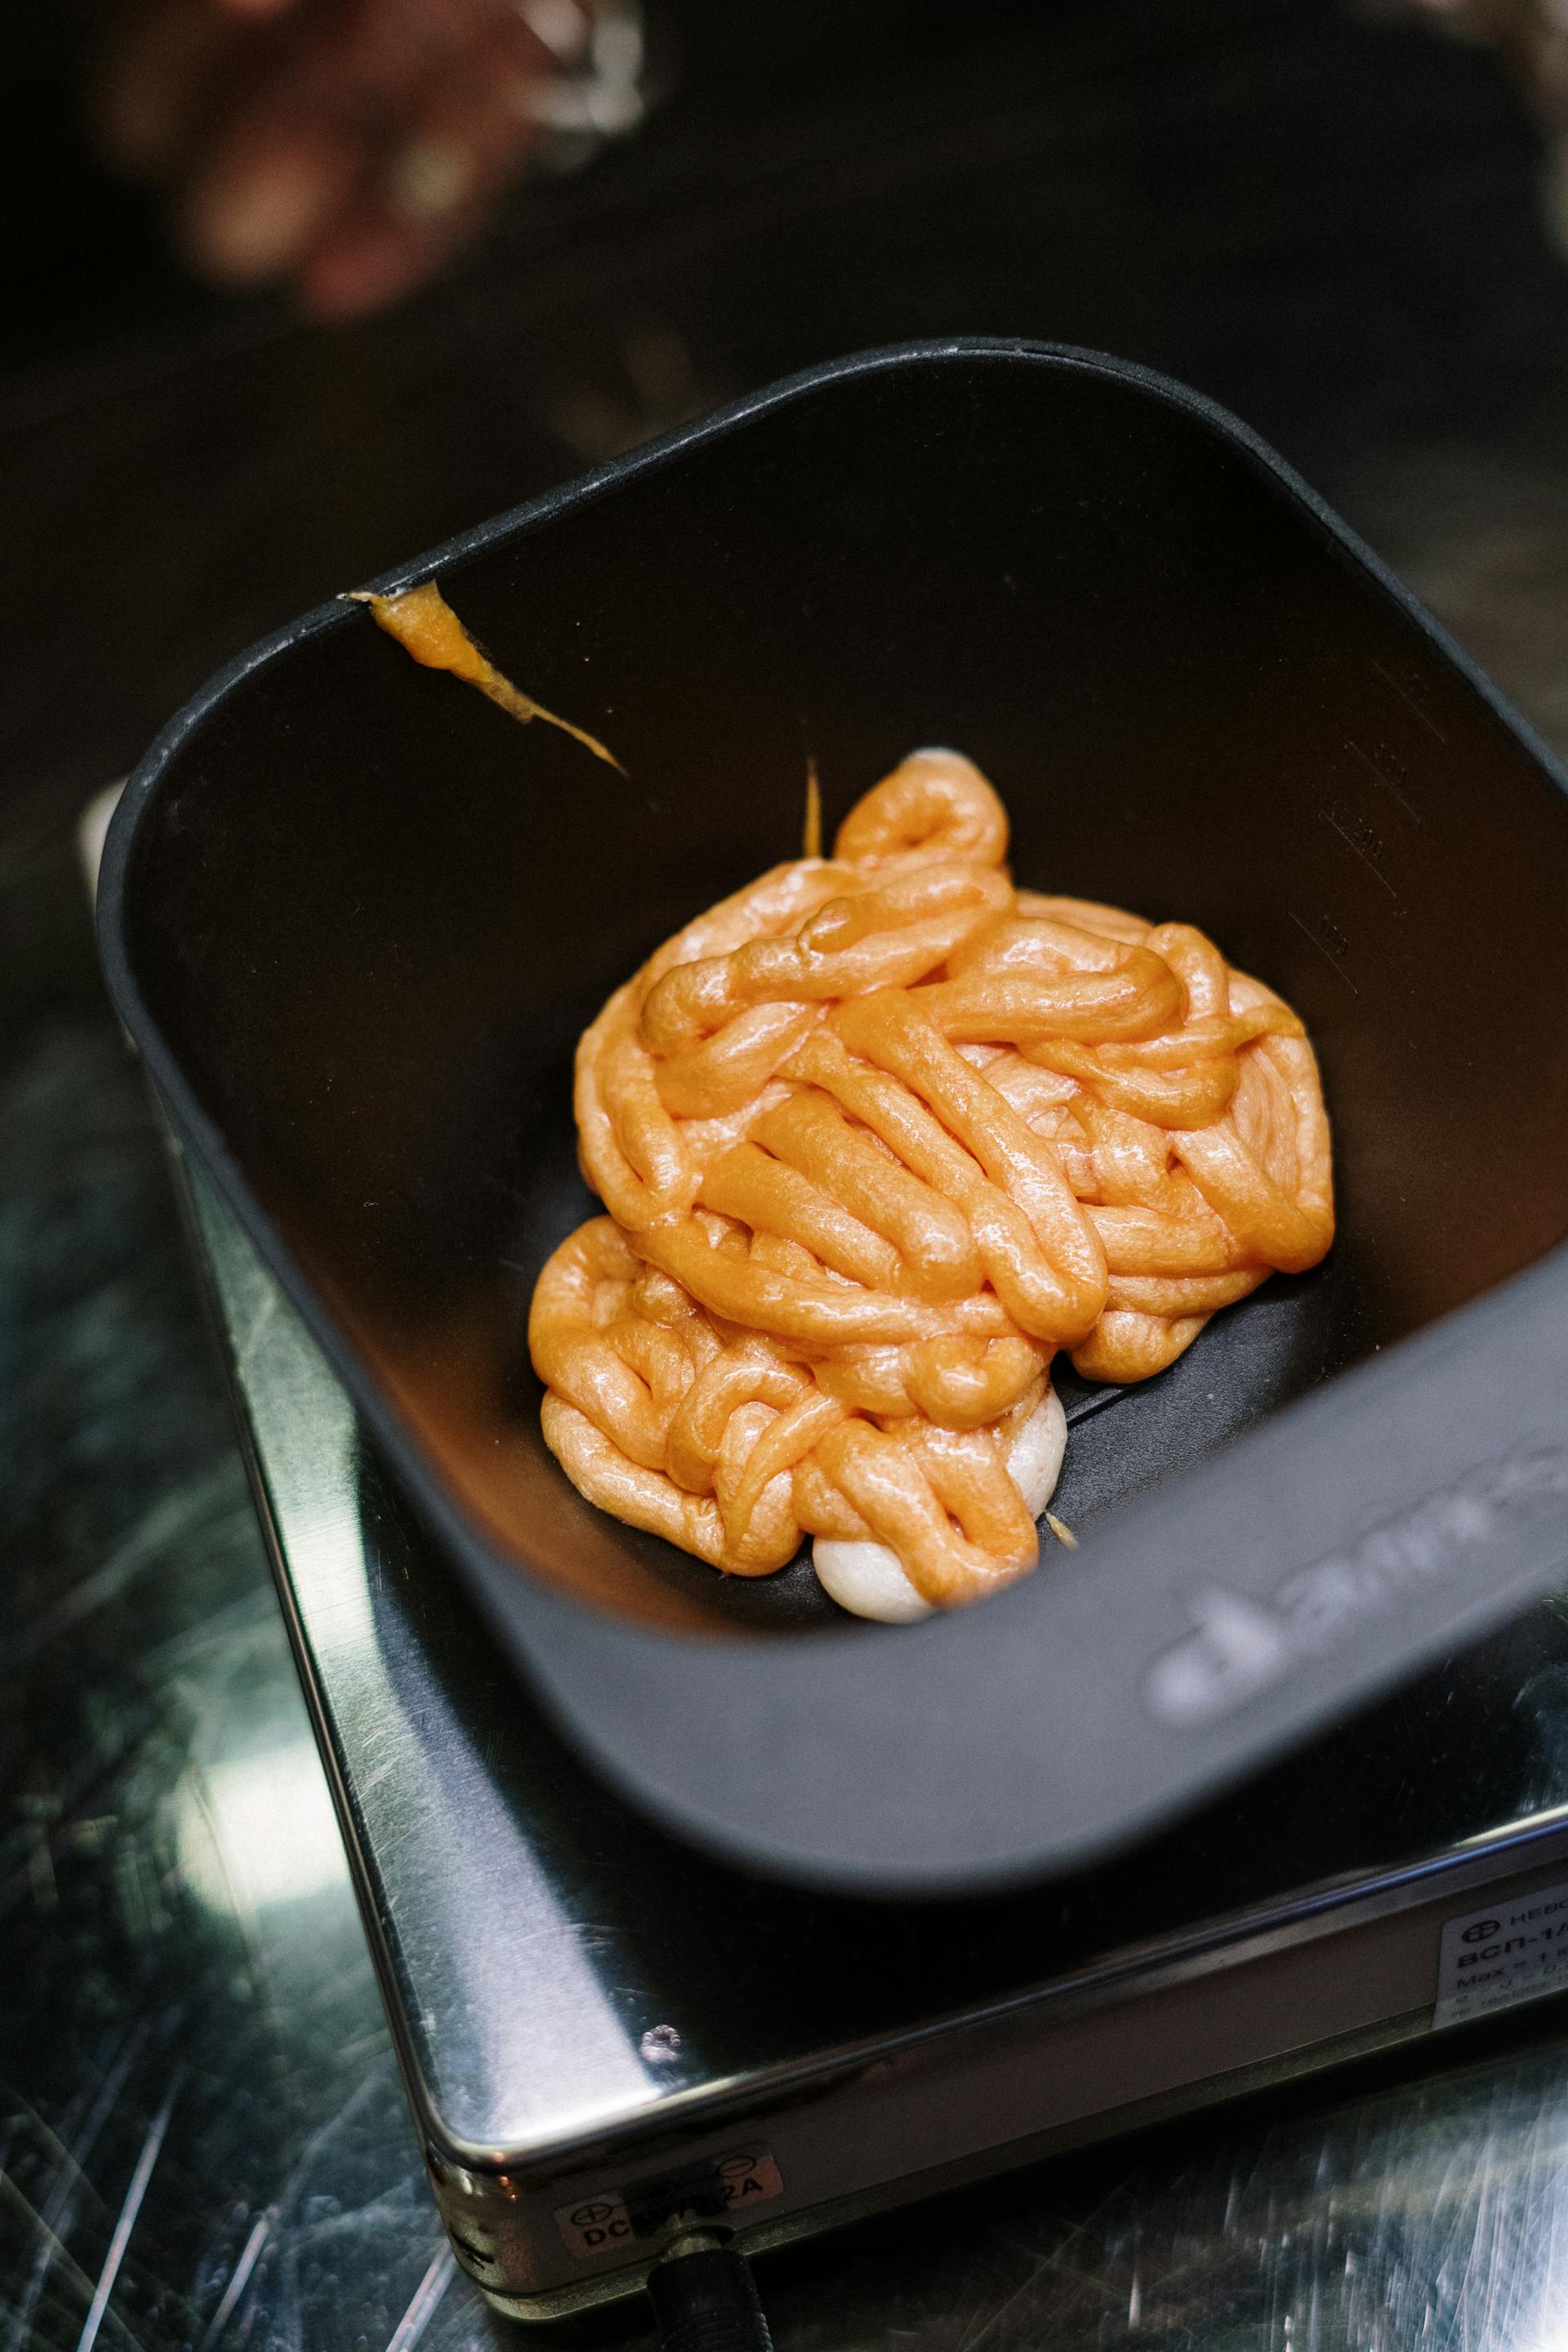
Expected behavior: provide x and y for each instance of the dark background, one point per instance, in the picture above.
(1333, 225)
(1330, 222)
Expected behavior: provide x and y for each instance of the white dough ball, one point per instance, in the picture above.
(867, 1578)
(1036, 1458)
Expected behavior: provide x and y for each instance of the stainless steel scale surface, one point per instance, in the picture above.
(604, 2035)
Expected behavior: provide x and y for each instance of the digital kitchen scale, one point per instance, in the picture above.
(355, 923)
(608, 2037)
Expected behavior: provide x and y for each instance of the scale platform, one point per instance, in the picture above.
(606, 2036)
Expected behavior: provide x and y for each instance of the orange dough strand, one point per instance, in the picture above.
(877, 1137)
(426, 627)
(811, 832)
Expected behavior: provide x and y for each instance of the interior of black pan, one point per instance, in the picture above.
(370, 914)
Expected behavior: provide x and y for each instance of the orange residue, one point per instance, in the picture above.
(426, 627)
(811, 837)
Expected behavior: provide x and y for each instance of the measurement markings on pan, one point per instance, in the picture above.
(611, 2221)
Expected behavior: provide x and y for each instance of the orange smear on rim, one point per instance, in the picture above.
(426, 627)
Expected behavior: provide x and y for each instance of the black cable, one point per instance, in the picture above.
(704, 2300)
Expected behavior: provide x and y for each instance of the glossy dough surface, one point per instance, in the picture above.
(877, 1136)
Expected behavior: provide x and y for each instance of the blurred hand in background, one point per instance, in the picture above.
(345, 148)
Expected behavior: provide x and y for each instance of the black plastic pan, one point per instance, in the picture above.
(355, 917)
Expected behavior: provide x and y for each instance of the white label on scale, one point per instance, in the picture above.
(1511, 1951)
(613, 2219)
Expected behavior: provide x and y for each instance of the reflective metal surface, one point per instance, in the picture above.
(514, 2032)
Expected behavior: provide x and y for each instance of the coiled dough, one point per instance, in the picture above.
(877, 1136)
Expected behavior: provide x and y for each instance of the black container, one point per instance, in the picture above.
(354, 919)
